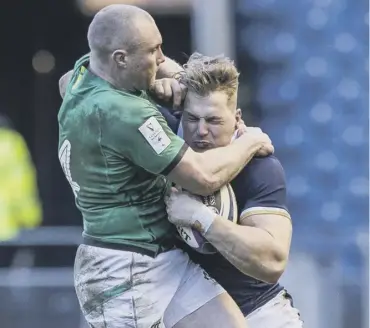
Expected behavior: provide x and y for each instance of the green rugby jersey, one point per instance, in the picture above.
(115, 149)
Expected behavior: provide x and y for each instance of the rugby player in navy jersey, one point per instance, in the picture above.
(252, 254)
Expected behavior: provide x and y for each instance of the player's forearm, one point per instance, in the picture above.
(168, 69)
(251, 250)
(223, 164)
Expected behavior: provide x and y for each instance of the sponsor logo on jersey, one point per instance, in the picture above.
(155, 135)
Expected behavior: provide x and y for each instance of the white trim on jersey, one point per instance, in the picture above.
(264, 210)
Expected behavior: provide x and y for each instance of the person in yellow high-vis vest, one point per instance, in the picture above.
(19, 199)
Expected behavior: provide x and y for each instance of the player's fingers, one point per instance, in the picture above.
(158, 89)
(166, 84)
(242, 128)
(258, 134)
(241, 121)
(239, 133)
(266, 150)
(268, 147)
(176, 93)
(184, 90)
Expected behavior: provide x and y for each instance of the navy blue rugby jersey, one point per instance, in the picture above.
(260, 184)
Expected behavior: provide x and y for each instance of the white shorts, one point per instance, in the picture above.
(277, 313)
(119, 289)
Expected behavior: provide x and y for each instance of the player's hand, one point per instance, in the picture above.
(257, 135)
(187, 210)
(168, 89)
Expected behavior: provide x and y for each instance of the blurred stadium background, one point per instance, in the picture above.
(304, 78)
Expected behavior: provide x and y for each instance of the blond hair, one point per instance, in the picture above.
(203, 75)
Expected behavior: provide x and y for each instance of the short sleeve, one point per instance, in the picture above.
(141, 134)
(261, 188)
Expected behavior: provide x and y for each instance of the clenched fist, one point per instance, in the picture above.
(168, 89)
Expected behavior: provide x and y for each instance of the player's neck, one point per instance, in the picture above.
(109, 75)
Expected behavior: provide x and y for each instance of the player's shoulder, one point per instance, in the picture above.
(112, 98)
(121, 106)
(82, 61)
(262, 168)
(261, 184)
(270, 162)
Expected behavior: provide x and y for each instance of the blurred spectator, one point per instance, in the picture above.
(19, 200)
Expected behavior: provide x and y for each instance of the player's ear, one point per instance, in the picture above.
(119, 57)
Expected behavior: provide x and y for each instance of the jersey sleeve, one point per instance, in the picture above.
(265, 188)
(141, 134)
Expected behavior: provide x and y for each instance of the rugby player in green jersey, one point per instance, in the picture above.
(119, 156)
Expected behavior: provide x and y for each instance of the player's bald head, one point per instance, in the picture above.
(125, 46)
(118, 27)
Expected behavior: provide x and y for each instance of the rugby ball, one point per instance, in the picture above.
(223, 203)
